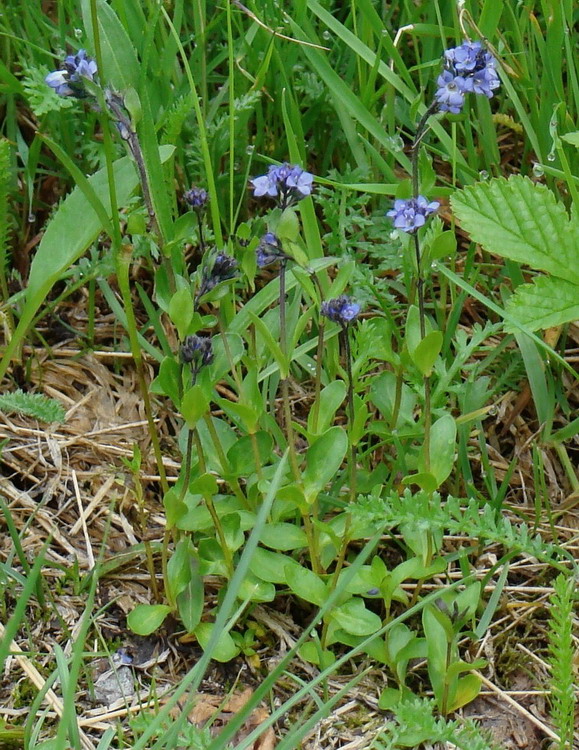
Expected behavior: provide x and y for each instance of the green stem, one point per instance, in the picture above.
(117, 109)
(211, 506)
(146, 543)
(421, 131)
(352, 460)
(397, 399)
(319, 357)
(187, 459)
(232, 481)
(339, 565)
(256, 456)
(123, 262)
(287, 415)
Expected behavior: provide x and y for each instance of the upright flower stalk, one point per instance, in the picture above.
(344, 310)
(468, 68)
(287, 184)
(287, 414)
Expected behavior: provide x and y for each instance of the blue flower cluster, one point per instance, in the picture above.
(222, 268)
(269, 250)
(469, 68)
(409, 215)
(196, 198)
(288, 183)
(342, 310)
(69, 80)
(197, 351)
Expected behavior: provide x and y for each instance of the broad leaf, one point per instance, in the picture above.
(354, 618)
(121, 67)
(545, 303)
(225, 648)
(523, 221)
(146, 618)
(323, 460)
(306, 584)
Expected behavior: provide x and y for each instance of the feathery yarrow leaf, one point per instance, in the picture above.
(561, 659)
(32, 405)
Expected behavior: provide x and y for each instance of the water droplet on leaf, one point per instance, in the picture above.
(538, 170)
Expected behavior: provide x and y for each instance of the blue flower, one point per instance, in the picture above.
(409, 215)
(450, 93)
(286, 182)
(196, 198)
(69, 81)
(468, 68)
(197, 351)
(269, 250)
(483, 81)
(467, 57)
(342, 310)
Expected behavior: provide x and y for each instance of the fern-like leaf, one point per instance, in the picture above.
(416, 724)
(561, 652)
(32, 405)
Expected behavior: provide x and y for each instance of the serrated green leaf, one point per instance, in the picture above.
(443, 446)
(425, 354)
(194, 405)
(545, 303)
(323, 460)
(181, 310)
(523, 221)
(283, 536)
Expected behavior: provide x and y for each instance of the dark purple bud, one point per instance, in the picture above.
(222, 268)
(196, 198)
(197, 351)
(269, 250)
